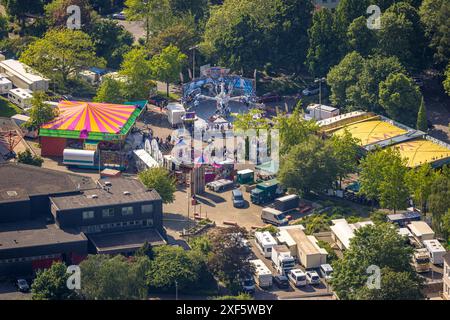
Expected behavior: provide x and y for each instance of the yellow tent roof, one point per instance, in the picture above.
(372, 131)
(421, 151)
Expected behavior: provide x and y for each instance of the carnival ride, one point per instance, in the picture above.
(216, 84)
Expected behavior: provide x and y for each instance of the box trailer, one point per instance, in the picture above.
(175, 113)
(436, 250)
(265, 242)
(287, 203)
(263, 276)
(266, 192)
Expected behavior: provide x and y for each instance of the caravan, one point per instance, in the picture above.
(265, 242)
(436, 250)
(263, 276)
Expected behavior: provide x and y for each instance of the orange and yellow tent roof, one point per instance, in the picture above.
(90, 120)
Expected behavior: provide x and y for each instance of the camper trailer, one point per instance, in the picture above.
(80, 158)
(20, 97)
(436, 250)
(265, 242)
(263, 276)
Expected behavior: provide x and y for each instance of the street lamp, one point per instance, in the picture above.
(176, 290)
(193, 59)
(320, 80)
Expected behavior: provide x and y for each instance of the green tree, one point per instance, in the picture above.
(19, 9)
(293, 129)
(383, 178)
(111, 91)
(111, 41)
(348, 10)
(156, 14)
(446, 225)
(361, 39)
(402, 35)
(378, 245)
(439, 199)
(394, 286)
(241, 296)
(345, 152)
(27, 157)
(167, 65)
(343, 76)
(446, 82)
(56, 15)
(114, 278)
(378, 217)
(137, 71)
(160, 180)
(173, 263)
(4, 27)
(62, 53)
(51, 284)
(229, 260)
(401, 98)
(422, 122)
(309, 166)
(419, 182)
(323, 50)
(365, 93)
(40, 111)
(145, 251)
(435, 16)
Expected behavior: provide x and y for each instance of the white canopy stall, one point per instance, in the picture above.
(144, 160)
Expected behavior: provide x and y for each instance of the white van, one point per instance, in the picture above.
(325, 271)
(265, 242)
(297, 277)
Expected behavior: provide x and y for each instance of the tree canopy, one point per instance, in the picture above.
(51, 284)
(160, 180)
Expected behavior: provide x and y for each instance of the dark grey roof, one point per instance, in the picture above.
(18, 181)
(125, 241)
(33, 233)
(110, 192)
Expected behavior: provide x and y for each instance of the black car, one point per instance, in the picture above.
(281, 281)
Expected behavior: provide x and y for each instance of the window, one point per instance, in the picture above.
(126, 211)
(147, 208)
(88, 215)
(108, 213)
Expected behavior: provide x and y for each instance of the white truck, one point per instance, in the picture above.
(265, 242)
(263, 276)
(282, 259)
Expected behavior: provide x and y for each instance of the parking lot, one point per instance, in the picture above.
(8, 291)
(293, 292)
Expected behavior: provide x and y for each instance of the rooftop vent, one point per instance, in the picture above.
(126, 193)
(108, 183)
(94, 196)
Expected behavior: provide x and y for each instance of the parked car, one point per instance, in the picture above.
(238, 198)
(269, 97)
(313, 278)
(281, 281)
(248, 285)
(326, 271)
(311, 90)
(119, 16)
(297, 277)
(22, 285)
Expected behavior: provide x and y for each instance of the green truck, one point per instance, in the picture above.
(266, 192)
(246, 176)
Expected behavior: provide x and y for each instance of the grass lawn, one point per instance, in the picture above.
(7, 109)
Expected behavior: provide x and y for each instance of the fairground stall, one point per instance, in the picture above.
(99, 129)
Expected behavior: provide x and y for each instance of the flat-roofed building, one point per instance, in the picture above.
(23, 76)
(421, 230)
(342, 232)
(306, 249)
